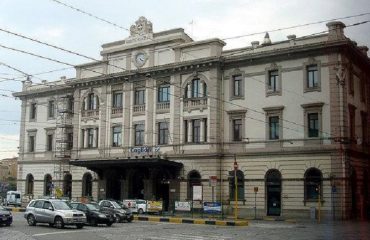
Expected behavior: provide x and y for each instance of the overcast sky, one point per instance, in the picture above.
(51, 22)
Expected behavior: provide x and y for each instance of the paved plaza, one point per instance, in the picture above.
(139, 230)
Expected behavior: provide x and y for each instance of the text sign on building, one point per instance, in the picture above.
(197, 193)
(213, 181)
(183, 206)
(144, 149)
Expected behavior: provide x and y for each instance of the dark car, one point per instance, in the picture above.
(94, 214)
(5, 216)
(121, 213)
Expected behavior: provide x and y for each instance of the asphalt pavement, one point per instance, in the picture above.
(139, 230)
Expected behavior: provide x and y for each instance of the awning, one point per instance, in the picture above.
(101, 164)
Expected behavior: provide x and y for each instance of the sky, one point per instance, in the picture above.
(51, 22)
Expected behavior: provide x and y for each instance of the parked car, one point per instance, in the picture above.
(94, 214)
(13, 198)
(136, 205)
(6, 216)
(56, 212)
(120, 212)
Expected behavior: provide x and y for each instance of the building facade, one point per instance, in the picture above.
(282, 126)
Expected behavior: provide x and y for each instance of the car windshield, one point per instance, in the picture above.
(92, 207)
(116, 205)
(60, 205)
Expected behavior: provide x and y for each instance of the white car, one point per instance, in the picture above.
(136, 205)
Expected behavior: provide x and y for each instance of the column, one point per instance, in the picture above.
(202, 130)
(85, 103)
(201, 84)
(190, 131)
(189, 91)
(95, 138)
(86, 138)
(148, 189)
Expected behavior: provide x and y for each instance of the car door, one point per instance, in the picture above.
(38, 210)
(81, 207)
(48, 215)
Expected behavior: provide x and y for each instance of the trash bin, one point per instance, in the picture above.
(312, 213)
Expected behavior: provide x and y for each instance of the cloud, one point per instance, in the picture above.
(8, 145)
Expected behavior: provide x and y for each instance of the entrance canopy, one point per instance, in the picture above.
(99, 165)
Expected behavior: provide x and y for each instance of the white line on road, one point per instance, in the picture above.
(64, 232)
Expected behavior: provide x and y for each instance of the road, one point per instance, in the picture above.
(161, 231)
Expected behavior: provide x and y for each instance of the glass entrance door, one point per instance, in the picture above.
(273, 192)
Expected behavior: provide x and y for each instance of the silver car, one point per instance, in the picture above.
(56, 212)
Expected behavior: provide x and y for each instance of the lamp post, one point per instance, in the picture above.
(236, 187)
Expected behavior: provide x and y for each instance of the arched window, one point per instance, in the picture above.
(240, 184)
(29, 184)
(67, 185)
(312, 184)
(195, 89)
(48, 185)
(194, 179)
(87, 185)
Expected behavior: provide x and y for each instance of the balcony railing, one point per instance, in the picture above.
(90, 113)
(163, 107)
(117, 111)
(139, 109)
(195, 103)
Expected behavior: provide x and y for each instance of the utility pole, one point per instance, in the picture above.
(236, 187)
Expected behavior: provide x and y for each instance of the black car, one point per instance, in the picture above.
(121, 213)
(94, 214)
(6, 216)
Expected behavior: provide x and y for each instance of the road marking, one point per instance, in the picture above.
(64, 232)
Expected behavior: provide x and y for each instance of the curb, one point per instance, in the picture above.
(15, 209)
(279, 220)
(192, 221)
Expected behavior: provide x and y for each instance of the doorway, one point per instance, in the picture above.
(113, 189)
(273, 192)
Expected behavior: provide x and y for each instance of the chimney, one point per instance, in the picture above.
(255, 44)
(336, 30)
(291, 37)
(363, 49)
(63, 78)
(266, 40)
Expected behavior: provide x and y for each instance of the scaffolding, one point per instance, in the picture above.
(63, 141)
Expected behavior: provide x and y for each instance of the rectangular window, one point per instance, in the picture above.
(273, 80)
(312, 76)
(364, 124)
(90, 138)
(196, 131)
(313, 125)
(237, 130)
(274, 128)
(363, 89)
(237, 86)
(164, 93)
(186, 139)
(352, 122)
(91, 102)
(163, 133)
(139, 96)
(205, 129)
(31, 143)
(117, 136)
(51, 109)
(70, 141)
(33, 110)
(139, 134)
(195, 88)
(117, 100)
(49, 143)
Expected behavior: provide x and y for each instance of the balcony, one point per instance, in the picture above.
(195, 104)
(117, 111)
(90, 113)
(139, 109)
(163, 107)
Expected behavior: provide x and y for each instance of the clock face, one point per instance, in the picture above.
(140, 59)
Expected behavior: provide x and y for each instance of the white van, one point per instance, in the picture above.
(136, 205)
(13, 198)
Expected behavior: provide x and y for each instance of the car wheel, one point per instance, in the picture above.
(129, 220)
(118, 219)
(8, 224)
(93, 222)
(109, 224)
(31, 220)
(79, 226)
(140, 211)
(51, 224)
(58, 223)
